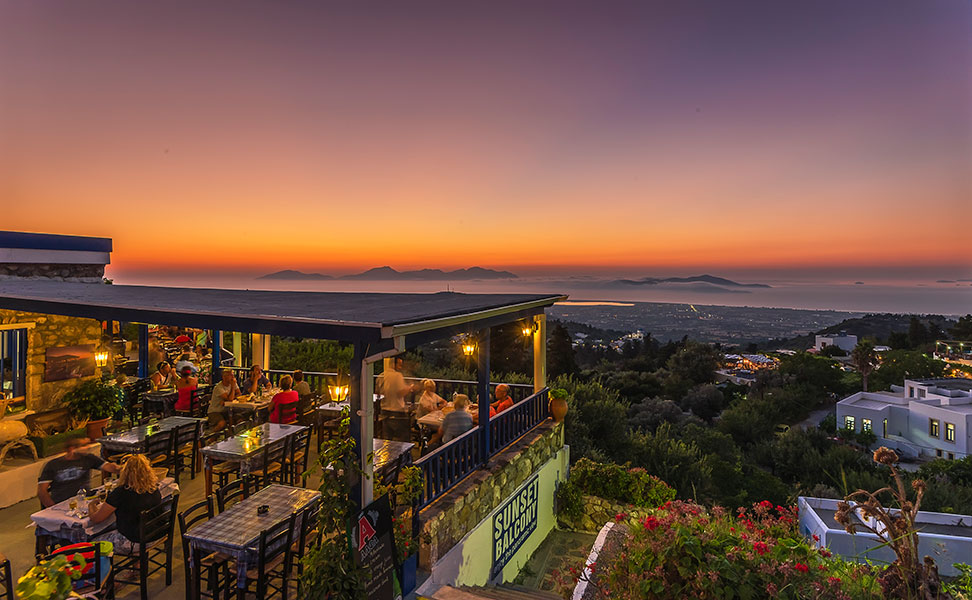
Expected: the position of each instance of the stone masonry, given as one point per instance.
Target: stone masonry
(447, 520)
(50, 331)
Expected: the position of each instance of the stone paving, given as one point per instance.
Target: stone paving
(560, 551)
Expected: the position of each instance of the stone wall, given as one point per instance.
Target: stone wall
(447, 520)
(598, 511)
(50, 331)
(62, 272)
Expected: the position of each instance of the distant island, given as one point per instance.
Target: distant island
(387, 273)
(721, 282)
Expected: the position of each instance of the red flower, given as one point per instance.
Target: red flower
(650, 523)
(760, 548)
(816, 537)
(620, 516)
(802, 568)
(834, 580)
(766, 504)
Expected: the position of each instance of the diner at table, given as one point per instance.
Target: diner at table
(455, 423)
(164, 376)
(137, 489)
(225, 391)
(283, 406)
(429, 401)
(62, 477)
(184, 386)
(255, 381)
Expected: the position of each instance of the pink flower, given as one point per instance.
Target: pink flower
(771, 589)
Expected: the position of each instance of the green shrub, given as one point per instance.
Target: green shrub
(620, 484)
(569, 501)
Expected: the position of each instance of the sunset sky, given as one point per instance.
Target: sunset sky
(659, 136)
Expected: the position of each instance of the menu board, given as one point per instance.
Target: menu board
(374, 548)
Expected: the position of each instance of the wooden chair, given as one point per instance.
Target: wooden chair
(186, 449)
(159, 448)
(310, 534)
(231, 493)
(7, 593)
(272, 466)
(154, 552)
(272, 572)
(97, 575)
(287, 412)
(215, 566)
(198, 403)
(296, 459)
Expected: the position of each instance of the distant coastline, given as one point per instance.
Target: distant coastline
(389, 274)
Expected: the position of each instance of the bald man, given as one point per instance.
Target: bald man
(503, 399)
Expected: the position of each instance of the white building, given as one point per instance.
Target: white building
(947, 538)
(842, 340)
(927, 418)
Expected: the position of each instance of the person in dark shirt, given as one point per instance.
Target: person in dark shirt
(256, 380)
(138, 490)
(63, 476)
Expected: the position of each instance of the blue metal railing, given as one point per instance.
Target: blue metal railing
(506, 427)
(451, 463)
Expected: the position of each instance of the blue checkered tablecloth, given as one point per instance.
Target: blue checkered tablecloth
(133, 440)
(236, 531)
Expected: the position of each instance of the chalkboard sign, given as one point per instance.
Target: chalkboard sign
(374, 548)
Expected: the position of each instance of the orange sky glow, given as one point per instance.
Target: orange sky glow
(276, 137)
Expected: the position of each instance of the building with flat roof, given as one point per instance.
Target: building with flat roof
(842, 340)
(924, 418)
(945, 537)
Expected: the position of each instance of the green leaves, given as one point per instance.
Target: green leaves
(50, 579)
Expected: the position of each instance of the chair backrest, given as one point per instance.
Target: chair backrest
(200, 511)
(300, 441)
(308, 522)
(287, 412)
(93, 571)
(158, 522)
(274, 542)
(231, 493)
(159, 443)
(389, 475)
(275, 452)
(186, 434)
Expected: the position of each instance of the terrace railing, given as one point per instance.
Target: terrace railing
(447, 387)
(318, 381)
(451, 463)
(506, 427)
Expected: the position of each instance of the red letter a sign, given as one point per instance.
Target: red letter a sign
(365, 532)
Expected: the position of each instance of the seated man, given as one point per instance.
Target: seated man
(224, 391)
(503, 398)
(63, 476)
(255, 381)
(456, 423)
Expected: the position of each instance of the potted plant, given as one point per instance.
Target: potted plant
(558, 404)
(405, 494)
(96, 401)
(49, 580)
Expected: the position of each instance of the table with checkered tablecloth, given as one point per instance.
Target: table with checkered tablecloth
(236, 531)
(245, 449)
(132, 441)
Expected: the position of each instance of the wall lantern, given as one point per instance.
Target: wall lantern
(338, 392)
(468, 349)
(530, 329)
(101, 358)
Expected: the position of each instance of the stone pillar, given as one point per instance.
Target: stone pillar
(540, 353)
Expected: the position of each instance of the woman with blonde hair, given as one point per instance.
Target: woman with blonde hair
(138, 490)
(429, 401)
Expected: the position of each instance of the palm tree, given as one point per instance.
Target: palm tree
(864, 359)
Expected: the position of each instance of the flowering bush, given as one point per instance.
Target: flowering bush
(683, 550)
(620, 483)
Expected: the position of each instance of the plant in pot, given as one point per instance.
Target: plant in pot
(405, 494)
(49, 580)
(558, 404)
(96, 401)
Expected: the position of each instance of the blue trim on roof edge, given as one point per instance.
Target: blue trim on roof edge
(51, 241)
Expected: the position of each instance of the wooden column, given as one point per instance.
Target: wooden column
(237, 349)
(482, 379)
(540, 353)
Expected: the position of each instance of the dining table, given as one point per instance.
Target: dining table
(236, 531)
(161, 402)
(132, 441)
(62, 523)
(244, 449)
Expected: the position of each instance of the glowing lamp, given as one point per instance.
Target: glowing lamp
(101, 358)
(338, 392)
(468, 349)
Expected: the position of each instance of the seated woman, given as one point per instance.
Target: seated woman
(455, 423)
(138, 490)
(184, 385)
(429, 401)
(283, 407)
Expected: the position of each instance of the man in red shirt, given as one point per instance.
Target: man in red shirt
(503, 399)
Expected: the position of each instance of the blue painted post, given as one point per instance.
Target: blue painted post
(217, 336)
(143, 350)
(482, 377)
(354, 395)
